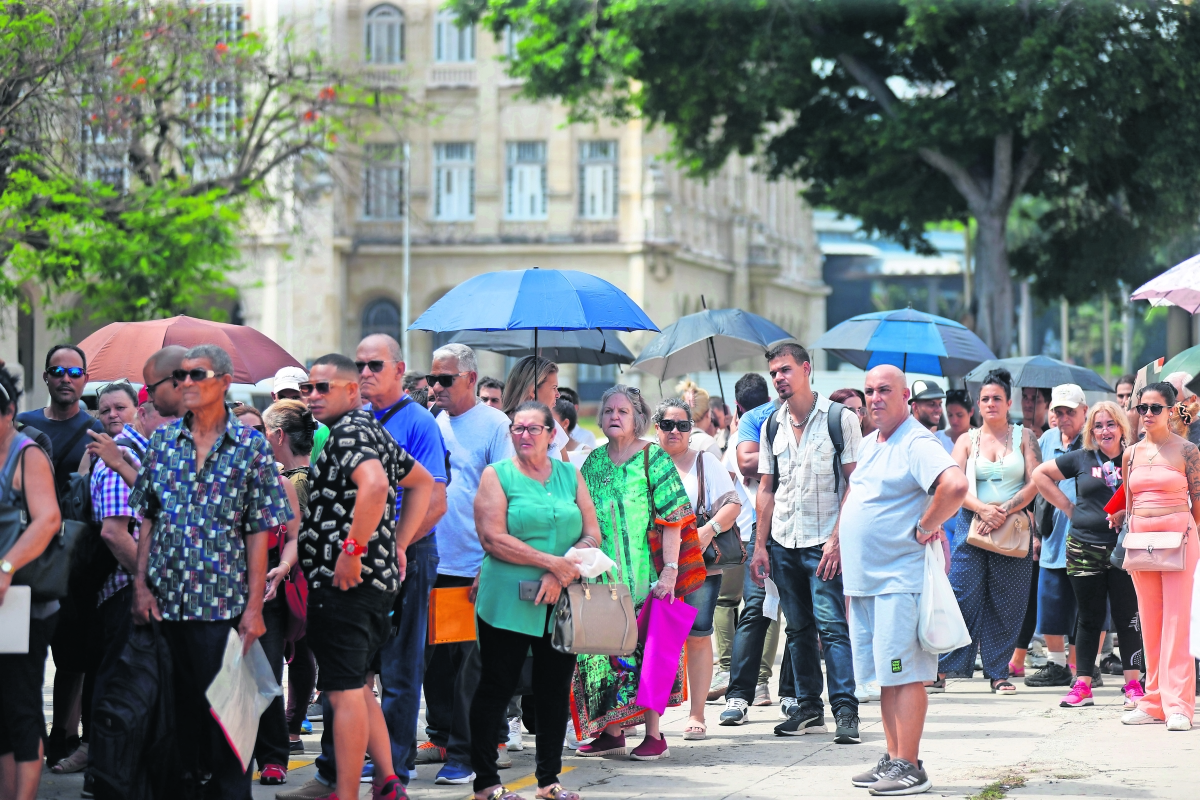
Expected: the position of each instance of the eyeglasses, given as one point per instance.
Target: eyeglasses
(197, 375)
(1154, 409)
(320, 387)
(681, 425)
(376, 365)
(72, 372)
(532, 430)
(445, 381)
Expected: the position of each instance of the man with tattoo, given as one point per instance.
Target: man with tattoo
(1055, 597)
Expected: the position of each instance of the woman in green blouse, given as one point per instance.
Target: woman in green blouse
(529, 511)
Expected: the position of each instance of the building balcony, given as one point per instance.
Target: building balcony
(453, 76)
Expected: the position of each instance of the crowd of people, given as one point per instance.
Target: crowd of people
(321, 526)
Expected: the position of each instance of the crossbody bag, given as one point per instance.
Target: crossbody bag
(1013, 537)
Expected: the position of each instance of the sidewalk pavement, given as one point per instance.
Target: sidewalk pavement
(974, 740)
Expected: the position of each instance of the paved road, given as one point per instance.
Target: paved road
(973, 739)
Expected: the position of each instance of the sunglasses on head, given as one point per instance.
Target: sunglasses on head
(376, 365)
(445, 381)
(681, 425)
(1154, 409)
(197, 375)
(71, 372)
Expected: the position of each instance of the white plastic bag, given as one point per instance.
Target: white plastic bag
(940, 628)
(591, 561)
(240, 693)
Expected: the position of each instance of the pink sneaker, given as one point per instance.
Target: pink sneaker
(1133, 693)
(603, 745)
(1081, 695)
(651, 749)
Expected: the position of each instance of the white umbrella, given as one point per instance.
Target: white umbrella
(1178, 286)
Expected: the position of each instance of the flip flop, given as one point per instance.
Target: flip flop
(501, 793)
(557, 792)
(695, 731)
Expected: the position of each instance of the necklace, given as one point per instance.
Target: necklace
(624, 454)
(811, 411)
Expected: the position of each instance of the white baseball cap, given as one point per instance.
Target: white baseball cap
(289, 378)
(1067, 394)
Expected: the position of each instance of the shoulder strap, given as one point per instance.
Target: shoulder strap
(772, 430)
(701, 495)
(836, 435)
(394, 410)
(10, 464)
(74, 440)
(132, 444)
(649, 485)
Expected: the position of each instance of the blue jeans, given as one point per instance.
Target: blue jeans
(814, 607)
(749, 639)
(402, 662)
(704, 600)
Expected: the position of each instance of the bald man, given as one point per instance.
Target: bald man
(888, 516)
(163, 390)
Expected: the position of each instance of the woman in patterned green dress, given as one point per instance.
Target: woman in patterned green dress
(619, 477)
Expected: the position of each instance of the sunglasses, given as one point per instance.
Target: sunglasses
(376, 366)
(197, 375)
(445, 381)
(1153, 408)
(150, 387)
(681, 425)
(72, 372)
(320, 387)
(532, 430)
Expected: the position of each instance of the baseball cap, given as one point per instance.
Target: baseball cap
(924, 390)
(143, 396)
(1067, 394)
(289, 378)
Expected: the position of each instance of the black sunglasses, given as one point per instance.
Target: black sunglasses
(445, 381)
(150, 387)
(681, 425)
(376, 365)
(197, 375)
(1153, 408)
(71, 372)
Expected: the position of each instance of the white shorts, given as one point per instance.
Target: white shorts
(883, 636)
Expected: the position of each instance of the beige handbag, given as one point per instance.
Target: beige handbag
(1013, 537)
(1155, 551)
(596, 619)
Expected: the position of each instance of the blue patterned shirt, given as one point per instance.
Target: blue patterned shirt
(197, 564)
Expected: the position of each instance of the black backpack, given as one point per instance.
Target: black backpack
(834, 419)
(92, 561)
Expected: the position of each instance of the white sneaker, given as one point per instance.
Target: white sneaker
(1178, 722)
(514, 735)
(762, 695)
(1139, 717)
(867, 692)
(718, 687)
(736, 712)
(786, 704)
(571, 743)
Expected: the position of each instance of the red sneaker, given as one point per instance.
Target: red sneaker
(603, 745)
(651, 749)
(392, 789)
(272, 775)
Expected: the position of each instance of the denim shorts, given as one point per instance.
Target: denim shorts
(1056, 603)
(704, 600)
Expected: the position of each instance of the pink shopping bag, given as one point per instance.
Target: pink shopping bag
(663, 627)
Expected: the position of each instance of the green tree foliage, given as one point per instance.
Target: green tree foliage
(133, 136)
(908, 112)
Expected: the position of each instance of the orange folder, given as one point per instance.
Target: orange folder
(451, 616)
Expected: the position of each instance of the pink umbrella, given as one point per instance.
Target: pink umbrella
(120, 350)
(1178, 286)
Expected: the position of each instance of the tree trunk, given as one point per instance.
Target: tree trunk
(993, 282)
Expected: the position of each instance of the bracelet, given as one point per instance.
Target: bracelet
(283, 561)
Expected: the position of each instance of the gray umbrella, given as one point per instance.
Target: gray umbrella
(707, 340)
(1039, 372)
(562, 347)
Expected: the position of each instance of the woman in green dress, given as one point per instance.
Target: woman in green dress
(530, 509)
(636, 490)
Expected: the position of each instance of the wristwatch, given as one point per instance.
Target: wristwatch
(925, 532)
(716, 526)
(671, 565)
(6, 567)
(352, 548)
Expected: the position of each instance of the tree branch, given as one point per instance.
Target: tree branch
(967, 186)
(1030, 159)
(873, 83)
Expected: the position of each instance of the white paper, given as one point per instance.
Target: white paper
(591, 561)
(240, 693)
(771, 601)
(14, 620)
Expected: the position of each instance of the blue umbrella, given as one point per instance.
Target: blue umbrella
(533, 299)
(562, 347)
(908, 339)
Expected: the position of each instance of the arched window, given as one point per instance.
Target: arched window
(385, 35)
(381, 316)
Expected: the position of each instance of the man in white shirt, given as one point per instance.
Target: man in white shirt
(796, 542)
(887, 518)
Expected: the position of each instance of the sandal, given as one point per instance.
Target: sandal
(695, 731)
(1003, 687)
(555, 791)
(501, 793)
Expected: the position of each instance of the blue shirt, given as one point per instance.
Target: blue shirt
(751, 423)
(201, 516)
(1054, 546)
(414, 429)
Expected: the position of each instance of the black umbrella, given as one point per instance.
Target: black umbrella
(562, 347)
(1038, 372)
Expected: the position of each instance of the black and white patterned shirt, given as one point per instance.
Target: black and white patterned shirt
(353, 439)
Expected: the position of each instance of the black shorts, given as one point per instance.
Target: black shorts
(21, 680)
(344, 631)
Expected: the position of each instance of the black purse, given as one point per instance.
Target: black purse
(726, 548)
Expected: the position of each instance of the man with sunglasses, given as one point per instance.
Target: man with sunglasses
(476, 435)
(67, 424)
(207, 492)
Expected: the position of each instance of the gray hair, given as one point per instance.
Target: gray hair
(641, 411)
(462, 355)
(221, 363)
(660, 413)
